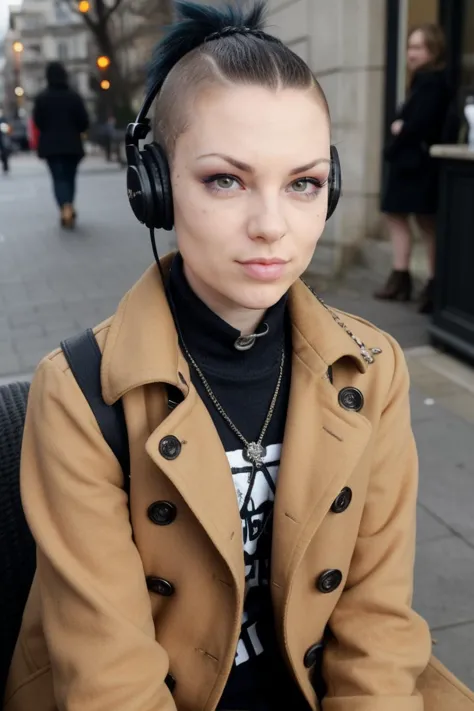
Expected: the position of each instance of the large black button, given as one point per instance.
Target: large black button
(313, 655)
(342, 501)
(162, 513)
(160, 586)
(170, 447)
(170, 682)
(329, 581)
(351, 399)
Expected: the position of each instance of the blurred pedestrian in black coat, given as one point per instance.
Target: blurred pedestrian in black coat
(412, 176)
(4, 151)
(61, 117)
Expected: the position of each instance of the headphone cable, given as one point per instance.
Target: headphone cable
(155, 253)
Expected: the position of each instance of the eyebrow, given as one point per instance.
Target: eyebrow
(246, 168)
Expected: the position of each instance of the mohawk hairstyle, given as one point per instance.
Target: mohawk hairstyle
(193, 24)
(225, 45)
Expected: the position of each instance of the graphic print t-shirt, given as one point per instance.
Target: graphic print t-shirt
(244, 384)
(255, 490)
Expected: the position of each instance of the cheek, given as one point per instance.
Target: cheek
(308, 225)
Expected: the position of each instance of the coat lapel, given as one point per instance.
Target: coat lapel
(202, 475)
(323, 442)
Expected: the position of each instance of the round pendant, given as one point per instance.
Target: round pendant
(244, 343)
(254, 453)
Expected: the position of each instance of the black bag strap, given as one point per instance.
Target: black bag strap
(84, 358)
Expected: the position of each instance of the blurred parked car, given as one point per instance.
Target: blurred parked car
(19, 134)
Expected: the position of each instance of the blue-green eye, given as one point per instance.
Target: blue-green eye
(300, 186)
(222, 182)
(307, 186)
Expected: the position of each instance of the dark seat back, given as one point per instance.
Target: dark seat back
(17, 548)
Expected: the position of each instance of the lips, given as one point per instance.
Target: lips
(264, 269)
(265, 262)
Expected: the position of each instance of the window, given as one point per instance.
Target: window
(63, 12)
(63, 52)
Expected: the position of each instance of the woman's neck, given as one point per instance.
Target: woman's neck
(244, 320)
(211, 339)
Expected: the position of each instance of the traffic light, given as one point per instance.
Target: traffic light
(105, 84)
(103, 62)
(84, 6)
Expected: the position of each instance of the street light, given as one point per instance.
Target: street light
(103, 62)
(84, 6)
(18, 47)
(19, 91)
(105, 84)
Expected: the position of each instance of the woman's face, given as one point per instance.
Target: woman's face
(249, 178)
(418, 53)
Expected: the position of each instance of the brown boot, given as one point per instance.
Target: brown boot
(67, 215)
(397, 288)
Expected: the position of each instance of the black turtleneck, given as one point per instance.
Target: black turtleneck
(244, 383)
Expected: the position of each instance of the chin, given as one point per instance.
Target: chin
(259, 297)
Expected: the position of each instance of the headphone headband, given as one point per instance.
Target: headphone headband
(140, 128)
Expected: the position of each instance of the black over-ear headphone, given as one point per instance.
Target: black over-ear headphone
(148, 175)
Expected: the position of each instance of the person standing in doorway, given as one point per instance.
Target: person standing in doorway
(412, 178)
(61, 117)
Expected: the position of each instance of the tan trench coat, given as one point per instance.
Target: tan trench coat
(94, 638)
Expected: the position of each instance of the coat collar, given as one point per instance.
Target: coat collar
(142, 343)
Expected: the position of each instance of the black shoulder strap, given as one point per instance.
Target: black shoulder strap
(84, 358)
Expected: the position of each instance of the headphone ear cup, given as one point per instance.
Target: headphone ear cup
(334, 182)
(156, 217)
(139, 187)
(158, 162)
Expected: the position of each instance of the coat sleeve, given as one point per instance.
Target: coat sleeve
(96, 611)
(379, 646)
(425, 106)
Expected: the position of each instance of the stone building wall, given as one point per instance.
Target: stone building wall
(343, 42)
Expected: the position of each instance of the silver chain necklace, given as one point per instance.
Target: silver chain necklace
(254, 452)
(366, 353)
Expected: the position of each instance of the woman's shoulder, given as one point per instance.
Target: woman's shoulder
(435, 77)
(57, 359)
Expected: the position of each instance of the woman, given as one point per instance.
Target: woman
(61, 117)
(412, 180)
(264, 559)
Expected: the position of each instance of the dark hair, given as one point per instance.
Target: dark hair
(227, 45)
(56, 75)
(435, 42)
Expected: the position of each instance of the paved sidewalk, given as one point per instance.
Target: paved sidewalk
(54, 283)
(442, 398)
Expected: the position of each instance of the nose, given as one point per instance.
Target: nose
(267, 222)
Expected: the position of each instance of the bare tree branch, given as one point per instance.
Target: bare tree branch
(123, 30)
(72, 5)
(115, 5)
